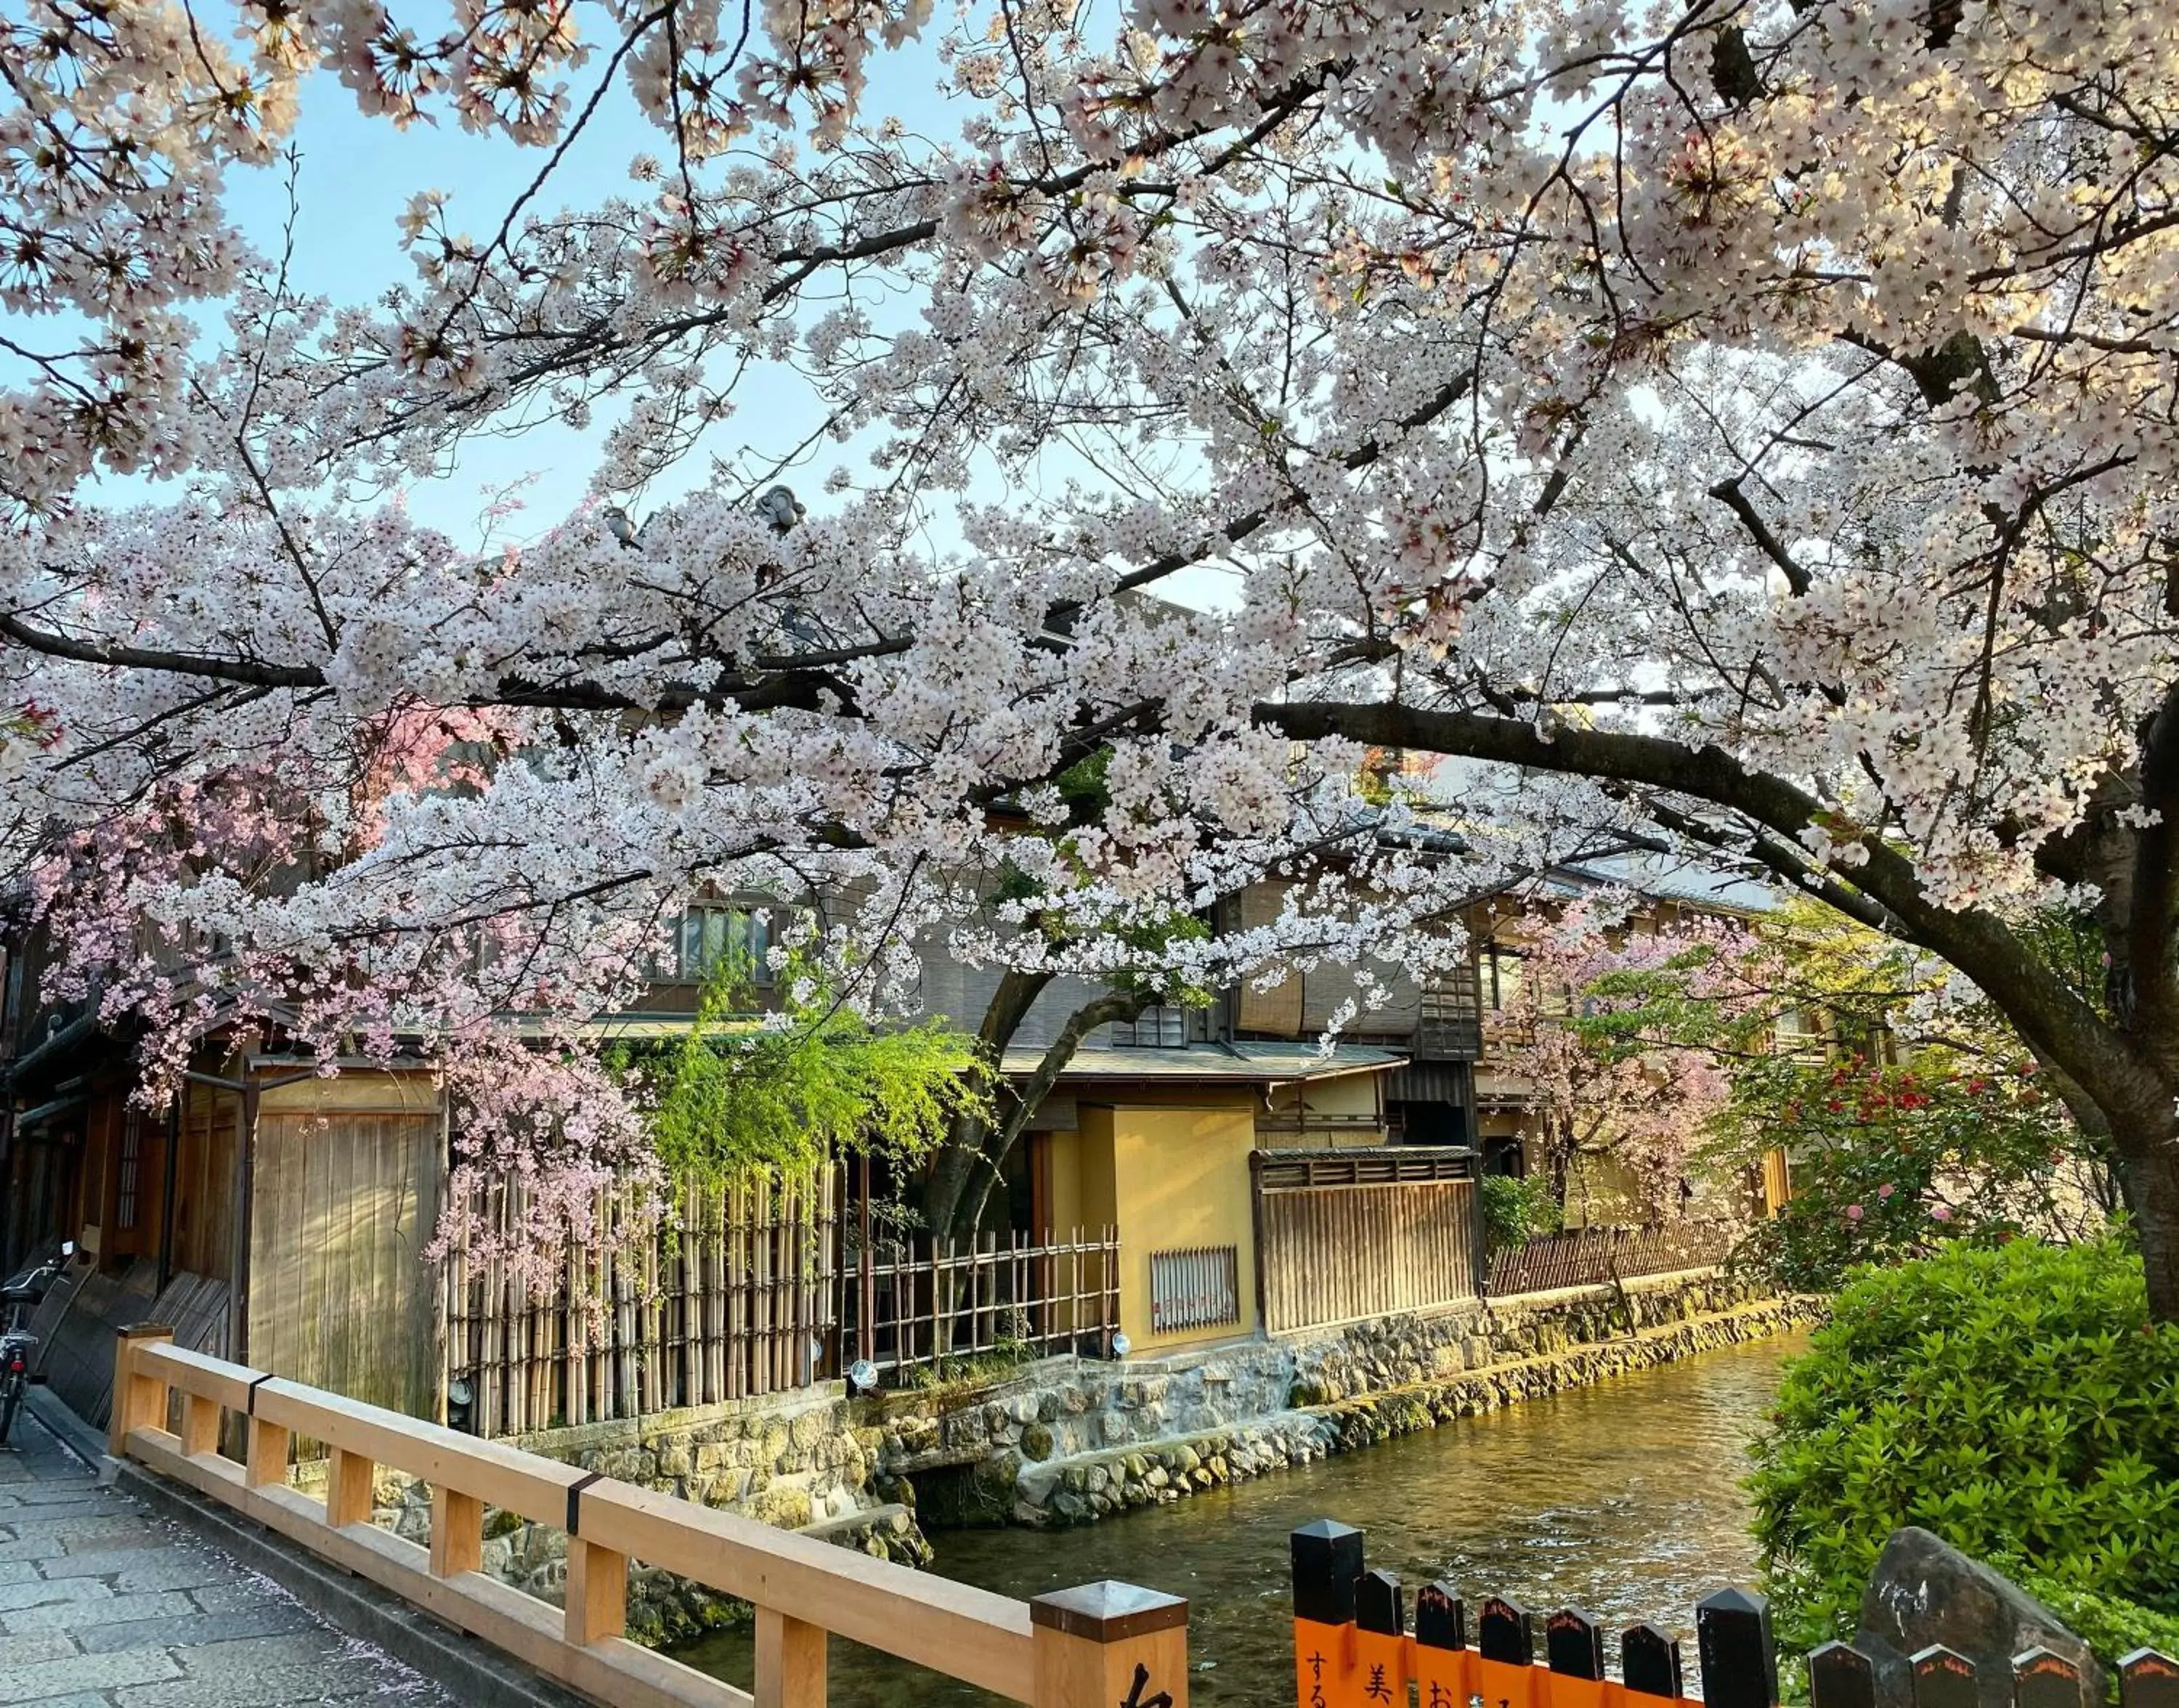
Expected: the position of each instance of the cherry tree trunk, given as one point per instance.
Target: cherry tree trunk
(2151, 1175)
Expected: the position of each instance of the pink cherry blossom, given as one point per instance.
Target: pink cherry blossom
(1745, 437)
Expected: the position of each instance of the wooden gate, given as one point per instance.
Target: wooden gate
(348, 1173)
(1349, 1234)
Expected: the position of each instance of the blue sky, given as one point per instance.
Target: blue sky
(356, 177)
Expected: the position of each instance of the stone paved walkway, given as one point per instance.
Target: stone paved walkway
(103, 1605)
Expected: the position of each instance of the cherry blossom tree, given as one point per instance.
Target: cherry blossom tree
(1752, 421)
(1620, 1034)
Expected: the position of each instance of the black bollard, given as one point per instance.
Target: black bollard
(1739, 1660)
(1649, 1662)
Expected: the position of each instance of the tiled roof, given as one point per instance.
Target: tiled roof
(1251, 1063)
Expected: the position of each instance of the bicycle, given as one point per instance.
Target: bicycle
(18, 1346)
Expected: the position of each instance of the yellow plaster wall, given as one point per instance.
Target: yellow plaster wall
(1180, 1178)
(1349, 1094)
(1079, 1183)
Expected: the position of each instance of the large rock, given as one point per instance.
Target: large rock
(1924, 1590)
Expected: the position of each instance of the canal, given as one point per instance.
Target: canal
(1623, 1499)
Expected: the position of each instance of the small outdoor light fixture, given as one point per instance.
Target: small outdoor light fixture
(1121, 1346)
(863, 1376)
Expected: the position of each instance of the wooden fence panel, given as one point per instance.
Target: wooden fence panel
(1591, 1256)
(1012, 1293)
(737, 1300)
(1354, 1239)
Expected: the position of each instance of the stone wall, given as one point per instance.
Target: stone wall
(1067, 1442)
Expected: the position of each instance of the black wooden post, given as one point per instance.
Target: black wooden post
(1380, 1604)
(2041, 1679)
(1506, 1632)
(1327, 1565)
(1944, 1678)
(2147, 1679)
(1739, 1660)
(1441, 1658)
(1573, 1645)
(1327, 1560)
(1380, 1653)
(1840, 1676)
(1441, 1617)
(1649, 1662)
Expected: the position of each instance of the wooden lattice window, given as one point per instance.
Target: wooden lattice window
(132, 1150)
(1197, 1288)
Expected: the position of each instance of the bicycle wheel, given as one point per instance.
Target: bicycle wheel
(11, 1393)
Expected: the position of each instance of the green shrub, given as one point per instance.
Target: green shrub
(1516, 1210)
(2014, 1400)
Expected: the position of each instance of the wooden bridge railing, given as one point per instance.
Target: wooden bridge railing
(1083, 1648)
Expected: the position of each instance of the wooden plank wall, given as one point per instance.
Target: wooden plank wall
(204, 1183)
(349, 1174)
(1332, 1254)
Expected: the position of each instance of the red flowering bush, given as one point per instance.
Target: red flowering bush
(1890, 1163)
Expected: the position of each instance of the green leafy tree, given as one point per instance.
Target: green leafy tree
(1517, 1210)
(744, 1091)
(2017, 1401)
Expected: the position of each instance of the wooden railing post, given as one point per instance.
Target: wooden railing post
(348, 1489)
(140, 1401)
(457, 1532)
(790, 1662)
(199, 1424)
(264, 1457)
(1109, 1645)
(597, 1592)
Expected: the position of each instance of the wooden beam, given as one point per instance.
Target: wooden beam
(265, 1458)
(139, 1394)
(348, 1489)
(199, 1424)
(597, 1592)
(457, 1532)
(790, 1662)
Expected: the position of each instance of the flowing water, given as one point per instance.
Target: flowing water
(1623, 1499)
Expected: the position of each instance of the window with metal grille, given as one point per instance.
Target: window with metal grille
(1154, 1028)
(124, 1190)
(713, 937)
(1199, 1288)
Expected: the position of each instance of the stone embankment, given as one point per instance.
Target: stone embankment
(1067, 1441)
(1094, 1485)
(1103, 1443)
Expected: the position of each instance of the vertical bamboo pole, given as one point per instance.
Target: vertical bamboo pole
(738, 1310)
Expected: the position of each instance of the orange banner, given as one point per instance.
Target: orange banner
(1502, 1684)
(1325, 1666)
(1380, 1669)
(1444, 1678)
